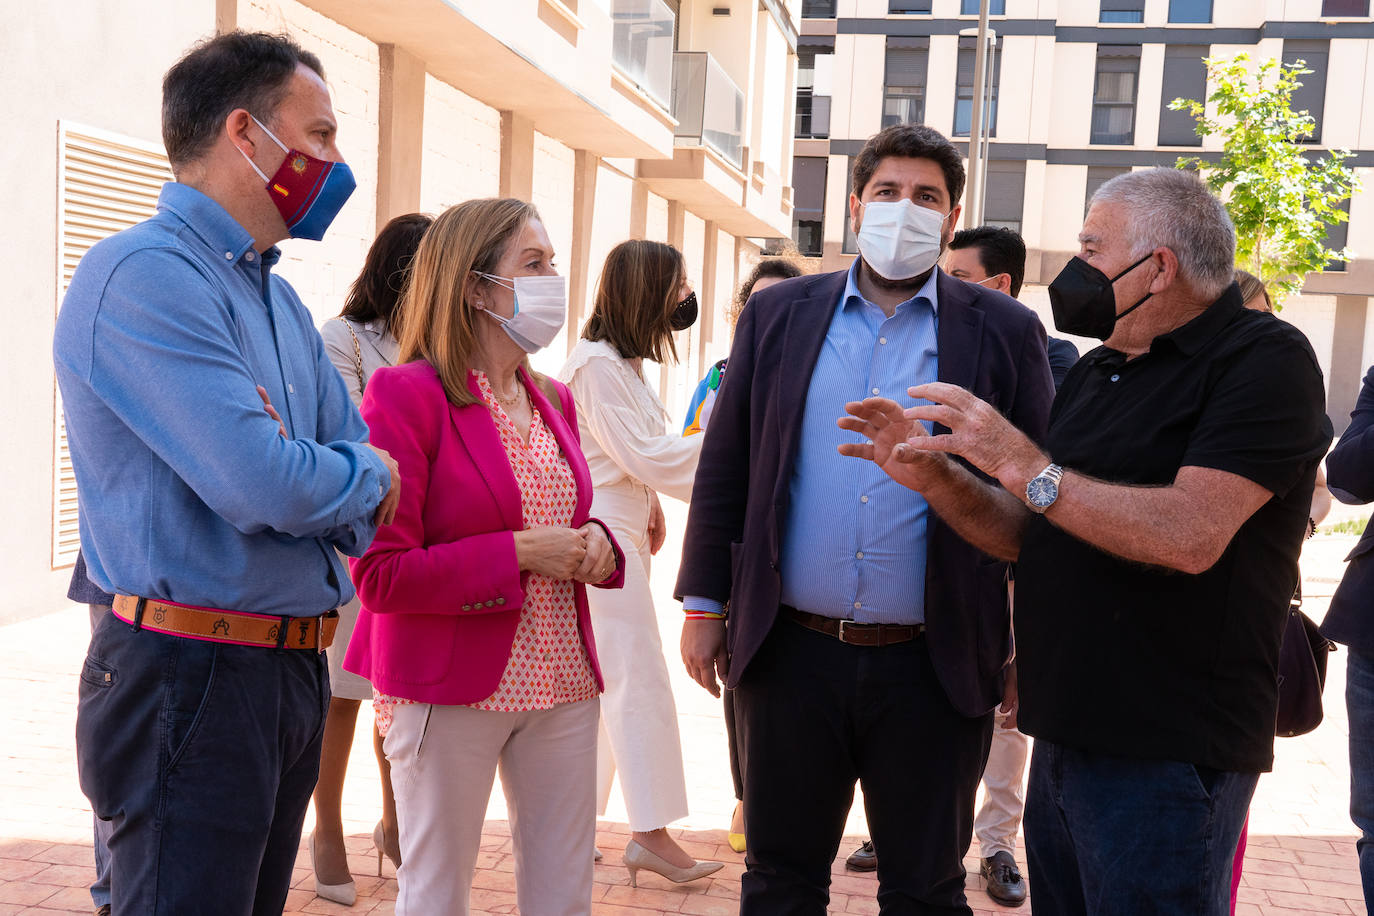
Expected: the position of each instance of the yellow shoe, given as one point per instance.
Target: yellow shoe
(736, 841)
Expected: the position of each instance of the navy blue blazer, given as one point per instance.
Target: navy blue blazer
(1350, 476)
(987, 342)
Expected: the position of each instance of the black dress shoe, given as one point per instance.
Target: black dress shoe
(863, 858)
(1005, 884)
(102, 910)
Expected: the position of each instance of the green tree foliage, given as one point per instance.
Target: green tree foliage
(1281, 201)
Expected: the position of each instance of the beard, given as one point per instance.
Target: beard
(910, 285)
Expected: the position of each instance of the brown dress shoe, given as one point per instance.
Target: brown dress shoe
(1005, 883)
(863, 858)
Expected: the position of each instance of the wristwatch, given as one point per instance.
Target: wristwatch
(1043, 488)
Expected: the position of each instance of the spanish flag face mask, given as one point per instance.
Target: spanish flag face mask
(308, 192)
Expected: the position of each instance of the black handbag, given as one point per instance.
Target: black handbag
(1302, 673)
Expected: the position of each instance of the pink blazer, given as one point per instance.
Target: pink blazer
(440, 587)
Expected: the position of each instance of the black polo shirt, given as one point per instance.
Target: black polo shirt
(1129, 660)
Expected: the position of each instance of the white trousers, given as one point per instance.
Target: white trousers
(639, 734)
(1004, 792)
(443, 762)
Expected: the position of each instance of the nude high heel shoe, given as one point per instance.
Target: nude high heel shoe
(379, 840)
(346, 893)
(637, 857)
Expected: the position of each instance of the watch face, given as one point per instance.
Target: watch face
(1042, 492)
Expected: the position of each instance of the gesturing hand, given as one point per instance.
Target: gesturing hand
(599, 561)
(703, 652)
(888, 431)
(978, 433)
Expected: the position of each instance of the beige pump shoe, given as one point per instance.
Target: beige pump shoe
(637, 857)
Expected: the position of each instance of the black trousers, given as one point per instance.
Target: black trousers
(814, 716)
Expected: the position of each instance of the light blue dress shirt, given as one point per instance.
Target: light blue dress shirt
(854, 540)
(187, 491)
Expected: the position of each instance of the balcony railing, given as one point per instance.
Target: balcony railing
(813, 115)
(708, 106)
(642, 46)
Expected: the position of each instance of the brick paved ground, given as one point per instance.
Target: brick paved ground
(1300, 860)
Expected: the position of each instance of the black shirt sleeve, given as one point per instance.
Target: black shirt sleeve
(1264, 417)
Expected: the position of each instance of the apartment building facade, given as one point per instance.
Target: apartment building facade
(661, 119)
(1079, 91)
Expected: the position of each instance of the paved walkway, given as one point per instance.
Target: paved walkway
(1301, 856)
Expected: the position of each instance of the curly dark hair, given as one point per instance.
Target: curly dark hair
(783, 268)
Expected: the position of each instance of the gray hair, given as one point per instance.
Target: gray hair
(1171, 208)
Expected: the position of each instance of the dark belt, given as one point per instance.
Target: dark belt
(856, 634)
(233, 627)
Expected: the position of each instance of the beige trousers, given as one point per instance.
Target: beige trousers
(1004, 792)
(639, 735)
(443, 762)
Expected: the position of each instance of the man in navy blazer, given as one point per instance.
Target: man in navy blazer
(1350, 620)
(866, 641)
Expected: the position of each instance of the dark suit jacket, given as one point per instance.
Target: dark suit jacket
(988, 343)
(1350, 476)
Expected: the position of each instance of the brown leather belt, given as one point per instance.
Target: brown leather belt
(872, 635)
(233, 627)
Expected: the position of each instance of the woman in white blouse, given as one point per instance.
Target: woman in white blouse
(643, 298)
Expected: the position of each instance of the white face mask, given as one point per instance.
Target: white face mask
(900, 240)
(541, 308)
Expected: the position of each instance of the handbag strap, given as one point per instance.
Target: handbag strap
(357, 355)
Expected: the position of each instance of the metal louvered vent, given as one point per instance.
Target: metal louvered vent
(105, 182)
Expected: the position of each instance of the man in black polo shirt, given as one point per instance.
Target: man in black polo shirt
(1157, 539)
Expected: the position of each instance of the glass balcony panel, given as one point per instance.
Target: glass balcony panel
(708, 106)
(642, 45)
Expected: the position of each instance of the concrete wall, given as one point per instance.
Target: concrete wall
(462, 148)
(90, 63)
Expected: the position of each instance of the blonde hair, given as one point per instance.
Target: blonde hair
(1251, 287)
(438, 321)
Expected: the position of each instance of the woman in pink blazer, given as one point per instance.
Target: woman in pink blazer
(474, 628)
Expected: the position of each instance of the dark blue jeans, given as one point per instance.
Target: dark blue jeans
(1112, 835)
(203, 756)
(1359, 704)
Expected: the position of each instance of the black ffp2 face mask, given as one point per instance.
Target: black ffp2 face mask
(685, 315)
(1083, 301)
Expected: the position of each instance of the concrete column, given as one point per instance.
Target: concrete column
(226, 16)
(639, 210)
(677, 232)
(585, 167)
(1347, 359)
(517, 156)
(400, 141)
(709, 297)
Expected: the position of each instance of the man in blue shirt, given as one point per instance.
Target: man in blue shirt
(865, 641)
(210, 514)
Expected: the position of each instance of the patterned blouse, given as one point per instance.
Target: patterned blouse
(548, 662)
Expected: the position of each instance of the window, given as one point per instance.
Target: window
(1190, 10)
(1098, 175)
(1113, 121)
(1345, 7)
(814, 71)
(1336, 238)
(971, 8)
(908, 6)
(106, 182)
(964, 83)
(1311, 95)
(1005, 194)
(904, 92)
(808, 203)
(818, 9)
(1185, 77)
(1122, 11)
(851, 243)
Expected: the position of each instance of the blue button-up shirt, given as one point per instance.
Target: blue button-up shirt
(854, 544)
(187, 491)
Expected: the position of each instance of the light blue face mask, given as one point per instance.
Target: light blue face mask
(541, 309)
